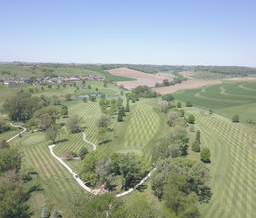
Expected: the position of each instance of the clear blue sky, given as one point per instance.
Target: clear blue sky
(220, 32)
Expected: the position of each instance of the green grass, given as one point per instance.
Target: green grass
(58, 186)
(90, 113)
(226, 99)
(232, 169)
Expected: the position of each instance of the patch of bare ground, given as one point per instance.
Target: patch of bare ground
(142, 79)
(189, 84)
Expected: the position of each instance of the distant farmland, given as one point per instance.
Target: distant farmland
(140, 78)
(186, 85)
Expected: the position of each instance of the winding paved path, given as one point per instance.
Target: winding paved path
(23, 130)
(81, 182)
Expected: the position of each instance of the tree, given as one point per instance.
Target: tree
(74, 124)
(46, 117)
(92, 98)
(127, 108)
(235, 118)
(168, 97)
(119, 116)
(13, 196)
(179, 105)
(102, 206)
(166, 82)
(21, 106)
(3, 126)
(83, 152)
(104, 122)
(191, 119)
(10, 159)
(103, 170)
(198, 136)
(205, 155)
(164, 106)
(64, 110)
(172, 118)
(52, 133)
(85, 100)
(68, 97)
(196, 146)
(129, 166)
(189, 104)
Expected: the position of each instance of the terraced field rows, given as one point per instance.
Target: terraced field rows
(142, 126)
(234, 168)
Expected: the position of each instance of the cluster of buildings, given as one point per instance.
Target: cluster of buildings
(49, 80)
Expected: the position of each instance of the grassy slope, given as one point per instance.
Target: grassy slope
(232, 168)
(58, 186)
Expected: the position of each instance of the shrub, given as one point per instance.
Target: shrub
(189, 104)
(191, 119)
(235, 119)
(205, 155)
(196, 147)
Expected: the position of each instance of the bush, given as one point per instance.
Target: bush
(205, 155)
(167, 97)
(235, 119)
(189, 104)
(3, 126)
(191, 119)
(83, 152)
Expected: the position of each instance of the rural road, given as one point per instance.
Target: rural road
(81, 183)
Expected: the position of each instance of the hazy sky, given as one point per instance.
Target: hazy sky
(219, 32)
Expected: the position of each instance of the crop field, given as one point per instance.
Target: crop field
(140, 78)
(187, 85)
(226, 99)
(233, 167)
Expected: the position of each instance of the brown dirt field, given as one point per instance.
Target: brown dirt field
(142, 79)
(189, 84)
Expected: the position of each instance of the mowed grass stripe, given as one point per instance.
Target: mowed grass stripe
(142, 126)
(239, 196)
